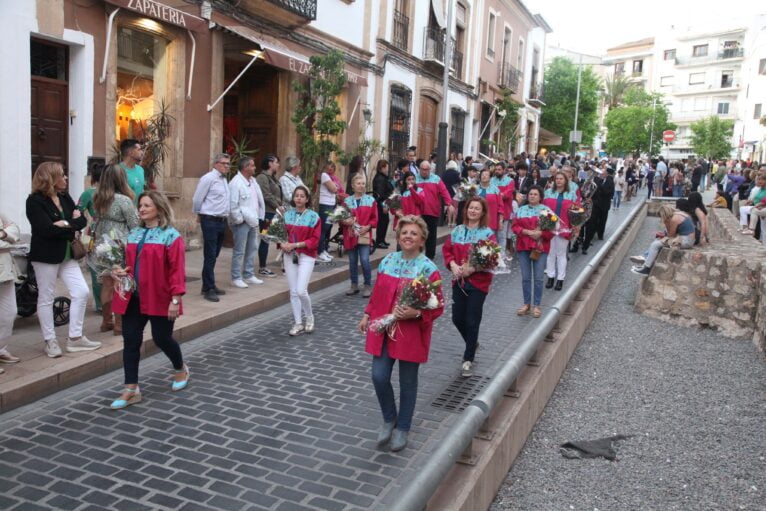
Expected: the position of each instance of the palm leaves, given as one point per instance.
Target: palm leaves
(616, 86)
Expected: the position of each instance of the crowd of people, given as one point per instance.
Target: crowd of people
(539, 210)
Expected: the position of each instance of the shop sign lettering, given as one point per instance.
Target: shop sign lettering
(162, 12)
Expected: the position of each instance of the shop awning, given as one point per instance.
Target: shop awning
(549, 138)
(279, 55)
(436, 5)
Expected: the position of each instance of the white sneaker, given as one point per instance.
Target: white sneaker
(324, 257)
(297, 329)
(309, 328)
(467, 369)
(254, 280)
(327, 255)
(81, 344)
(638, 260)
(52, 348)
(239, 283)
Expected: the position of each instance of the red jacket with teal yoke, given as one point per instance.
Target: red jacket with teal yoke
(412, 338)
(305, 227)
(569, 198)
(434, 192)
(162, 270)
(527, 218)
(495, 204)
(508, 190)
(458, 247)
(365, 212)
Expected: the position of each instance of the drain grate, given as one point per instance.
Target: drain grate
(459, 393)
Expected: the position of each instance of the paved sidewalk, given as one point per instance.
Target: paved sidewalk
(37, 375)
(268, 421)
(693, 399)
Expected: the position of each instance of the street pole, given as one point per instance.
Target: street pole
(651, 130)
(441, 150)
(577, 107)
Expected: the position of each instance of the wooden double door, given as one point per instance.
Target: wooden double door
(427, 126)
(49, 109)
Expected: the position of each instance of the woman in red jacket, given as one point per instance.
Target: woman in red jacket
(154, 258)
(304, 230)
(559, 199)
(413, 330)
(357, 235)
(469, 286)
(532, 246)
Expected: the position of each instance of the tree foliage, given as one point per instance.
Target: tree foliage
(317, 116)
(711, 137)
(507, 133)
(560, 98)
(629, 127)
(615, 86)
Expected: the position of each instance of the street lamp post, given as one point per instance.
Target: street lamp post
(577, 109)
(651, 130)
(441, 150)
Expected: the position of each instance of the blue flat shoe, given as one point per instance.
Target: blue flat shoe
(128, 397)
(180, 385)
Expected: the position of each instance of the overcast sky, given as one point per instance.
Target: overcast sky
(592, 26)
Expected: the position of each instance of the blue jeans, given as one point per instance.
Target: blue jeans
(616, 199)
(678, 190)
(354, 255)
(326, 228)
(382, 367)
(244, 248)
(263, 247)
(528, 267)
(467, 307)
(212, 236)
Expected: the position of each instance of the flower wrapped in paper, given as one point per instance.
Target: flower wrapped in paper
(577, 216)
(418, 293)
(394, 201)
(466, 189)
(110, 261)
(548, 220)
(485, 255)
(276, 231)
(339, 214)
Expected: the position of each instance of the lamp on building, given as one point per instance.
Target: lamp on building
(367, 113)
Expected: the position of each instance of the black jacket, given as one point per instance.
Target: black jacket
(523, 189)
(49, 242)
(451, 178)
(381, 187)
(604, 192)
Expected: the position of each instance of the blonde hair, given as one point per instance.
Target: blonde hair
(412, 220)
(45, 177)
(358, 177)
(666, 212)
(164, 210)
(113, 180)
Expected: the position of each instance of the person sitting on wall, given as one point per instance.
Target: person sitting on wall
(679, 232)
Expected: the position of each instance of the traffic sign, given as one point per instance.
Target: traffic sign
(575, 136)
(668, 135)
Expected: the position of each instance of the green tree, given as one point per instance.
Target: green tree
(560, 98)
(317, 116)
(615, 86)
(629, 127)
(711, 137)
(508, 111)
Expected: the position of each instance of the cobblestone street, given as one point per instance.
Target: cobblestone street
(268, 421)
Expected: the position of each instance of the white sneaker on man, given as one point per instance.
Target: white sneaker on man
(325, 257)
(239, 283)
(52, 348)
(81, 344)
(253, 280)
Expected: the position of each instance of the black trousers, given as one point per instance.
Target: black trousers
(595, 225)
(431, 222)
(467, 307)
(133, 323)
(382, 228)
(603, 216)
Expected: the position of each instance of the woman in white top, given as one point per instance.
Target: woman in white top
(619, 187)
(329, 187)
(291, 179)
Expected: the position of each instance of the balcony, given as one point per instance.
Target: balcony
(303, 8)
(536, 95)
(725, 54)
(508, 77)
(731, 53)
(724, 87)
(434, 46)
(401, 30)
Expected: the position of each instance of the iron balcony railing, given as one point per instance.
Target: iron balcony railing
(728, 53)
(731, 53)
(508, 77)
(434, 47)
(536, 92)
(304, 8)
(401, 30)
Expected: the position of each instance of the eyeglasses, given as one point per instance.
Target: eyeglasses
(227, 163)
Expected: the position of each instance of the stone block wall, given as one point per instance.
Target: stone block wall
(720, 286)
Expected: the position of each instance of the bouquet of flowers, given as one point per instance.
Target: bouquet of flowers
(394, 201)
(467, 189)
(110, 253)
(485, 255)
(548, 220)
(276, 231)
(577, 216)
(339, 214)
(419, 293)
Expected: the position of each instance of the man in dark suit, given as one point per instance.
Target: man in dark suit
(522, 181)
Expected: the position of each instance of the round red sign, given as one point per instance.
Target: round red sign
(668, 135)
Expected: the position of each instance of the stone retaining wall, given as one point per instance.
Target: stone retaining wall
(721, 286)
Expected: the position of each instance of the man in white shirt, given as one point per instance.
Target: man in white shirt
(211, 205)
(291, 179)
(247, 208)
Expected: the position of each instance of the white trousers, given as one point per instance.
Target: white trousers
(47, 275)
(556, 266)
(298, 276)
(8, 313)
(743, 212)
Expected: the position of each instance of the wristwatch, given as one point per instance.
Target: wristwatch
(175, 301)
